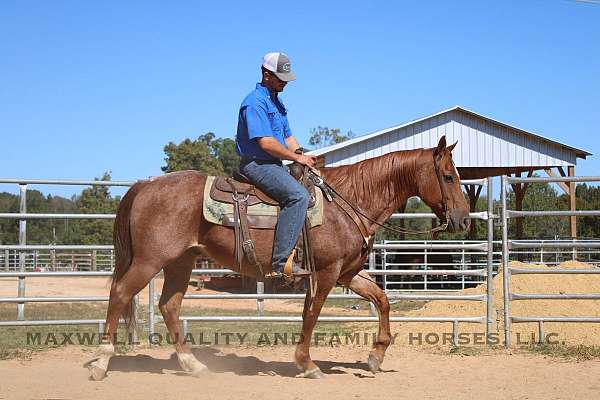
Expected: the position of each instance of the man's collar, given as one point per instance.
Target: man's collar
(272, 96)
(265, 90)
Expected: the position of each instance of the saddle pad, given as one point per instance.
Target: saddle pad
(218, 213)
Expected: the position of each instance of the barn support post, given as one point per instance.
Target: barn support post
(520, 189)
(572, 202)
(571, 190)
(519, 195)
(22, 254)
(473, 191)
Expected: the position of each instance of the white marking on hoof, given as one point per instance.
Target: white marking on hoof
(374, 363)
(97, 373)
(314, 373)
(190, 364)
(99, 367)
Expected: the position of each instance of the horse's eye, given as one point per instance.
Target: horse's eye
(448, 178)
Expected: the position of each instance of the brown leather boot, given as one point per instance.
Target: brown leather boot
(293, 271)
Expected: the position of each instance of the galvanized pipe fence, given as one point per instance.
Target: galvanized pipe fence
(509, 245)
(476, 270)
(24, 252)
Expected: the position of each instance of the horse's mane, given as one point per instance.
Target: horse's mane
(376, 180)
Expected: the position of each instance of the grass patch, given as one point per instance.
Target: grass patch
(398, 306)
(578, 352)
(466, 350)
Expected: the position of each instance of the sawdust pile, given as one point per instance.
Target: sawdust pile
(564, 333)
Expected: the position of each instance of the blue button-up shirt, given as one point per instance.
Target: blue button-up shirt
(260, 116)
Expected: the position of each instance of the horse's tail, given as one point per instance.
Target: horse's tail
(123, 249)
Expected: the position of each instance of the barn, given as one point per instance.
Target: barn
(486, 148)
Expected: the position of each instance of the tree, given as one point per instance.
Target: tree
(96, 200)
(540, 197)
(206, 154)
(225, 151)
(323, 136)
(588, 198)
(9, 228)
(193, 154)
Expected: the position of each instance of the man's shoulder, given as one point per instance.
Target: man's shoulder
(255, 98)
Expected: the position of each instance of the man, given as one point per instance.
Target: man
(263, 141)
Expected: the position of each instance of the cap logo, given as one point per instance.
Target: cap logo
(286, 67)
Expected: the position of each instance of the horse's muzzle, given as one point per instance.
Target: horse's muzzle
(459, 222)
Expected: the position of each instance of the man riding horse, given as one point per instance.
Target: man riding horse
(263, 141)
(161, 225)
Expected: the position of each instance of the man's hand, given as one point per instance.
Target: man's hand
(306, 160)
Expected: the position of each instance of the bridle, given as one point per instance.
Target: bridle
(440, 178)
(385, 226)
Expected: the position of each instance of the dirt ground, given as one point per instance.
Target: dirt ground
(261, 373)
(410, 371)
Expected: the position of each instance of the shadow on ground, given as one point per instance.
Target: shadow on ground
(219, 362)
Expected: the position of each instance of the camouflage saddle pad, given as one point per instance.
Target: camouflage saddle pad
(262, 212)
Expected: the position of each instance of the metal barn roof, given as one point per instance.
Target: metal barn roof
(484, 144)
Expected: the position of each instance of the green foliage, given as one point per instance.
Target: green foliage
(9, 228)
(540, 197)
(588, 198)
(96, 200)
(214, 157)
(322, 136)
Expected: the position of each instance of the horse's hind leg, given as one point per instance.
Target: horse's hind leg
(121, 294)
(177, 277)
(363, 285)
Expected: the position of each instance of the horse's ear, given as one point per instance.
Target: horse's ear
(441, 146)
(452, 147)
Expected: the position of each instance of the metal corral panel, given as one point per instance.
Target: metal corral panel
(482, 142)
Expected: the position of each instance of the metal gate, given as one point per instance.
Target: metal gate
(508, 245)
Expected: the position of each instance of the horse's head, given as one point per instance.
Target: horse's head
(439, 187)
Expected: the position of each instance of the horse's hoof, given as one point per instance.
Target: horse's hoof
(198, 372)
(314, 373)
(191, 365)
(97, 373)
(374, 363)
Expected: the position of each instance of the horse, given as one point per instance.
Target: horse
(159, 226)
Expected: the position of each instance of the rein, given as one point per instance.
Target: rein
(388, 227)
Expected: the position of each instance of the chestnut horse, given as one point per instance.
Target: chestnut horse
(159, 226)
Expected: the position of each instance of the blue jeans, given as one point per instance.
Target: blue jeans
(274, 179)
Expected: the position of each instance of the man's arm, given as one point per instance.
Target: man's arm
(292, 143)
(272, 147)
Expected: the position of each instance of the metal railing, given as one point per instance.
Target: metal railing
(508, 245)
(486, 272)
(467, 256)
(25, 253)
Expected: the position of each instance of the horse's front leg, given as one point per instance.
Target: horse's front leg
(310, 315)
(363, 285)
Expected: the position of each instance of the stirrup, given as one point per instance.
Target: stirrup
(291, 270)
(294, 272)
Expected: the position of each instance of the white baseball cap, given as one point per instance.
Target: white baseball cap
(279, 64)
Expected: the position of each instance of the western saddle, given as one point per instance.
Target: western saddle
(239, 192)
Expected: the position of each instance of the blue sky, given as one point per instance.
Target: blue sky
(87, 87)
